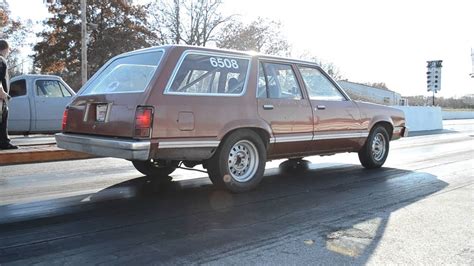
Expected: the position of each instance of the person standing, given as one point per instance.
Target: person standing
(4, 90)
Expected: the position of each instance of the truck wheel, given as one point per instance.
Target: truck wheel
(375, 150)
(153, 168)
(239, 162)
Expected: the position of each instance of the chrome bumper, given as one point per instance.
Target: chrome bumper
(105, 146)
(399, 132)
(405, 132)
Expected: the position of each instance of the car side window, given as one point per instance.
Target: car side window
(319, 87)
(51, 88)
(280, 81)
(217, 74)
(17, 88)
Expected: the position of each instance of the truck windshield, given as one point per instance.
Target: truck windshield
(126, 74)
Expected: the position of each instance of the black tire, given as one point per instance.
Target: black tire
(239, 162)
(153, 169)
(375, 150)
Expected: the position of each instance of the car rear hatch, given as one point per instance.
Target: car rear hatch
(112, 102)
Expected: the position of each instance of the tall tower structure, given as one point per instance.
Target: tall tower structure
(433, 76)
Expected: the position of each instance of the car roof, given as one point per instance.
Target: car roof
(184, 48)
(31, 76)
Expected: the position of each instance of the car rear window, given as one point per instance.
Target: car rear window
(210, 74)
(126, 74)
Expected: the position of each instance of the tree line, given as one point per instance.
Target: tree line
(465, 102)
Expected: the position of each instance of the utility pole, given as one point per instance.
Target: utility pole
(83, 42)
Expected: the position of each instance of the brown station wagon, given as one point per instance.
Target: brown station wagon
(230, 111)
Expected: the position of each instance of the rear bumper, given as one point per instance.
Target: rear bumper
(105, 146)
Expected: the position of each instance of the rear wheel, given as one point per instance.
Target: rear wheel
(375, 150)
(154, 168)
(239, 163)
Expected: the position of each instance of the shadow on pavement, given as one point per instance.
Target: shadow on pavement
(340, 211)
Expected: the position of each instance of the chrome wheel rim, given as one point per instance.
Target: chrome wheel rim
(378, 147)
(243, 161)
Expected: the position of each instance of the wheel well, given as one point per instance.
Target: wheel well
(262, 133)
(387, 127)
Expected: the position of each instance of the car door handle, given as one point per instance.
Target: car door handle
(267, 107)
(320, 107)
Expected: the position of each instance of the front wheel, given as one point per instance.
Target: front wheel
(375, 150)
(154, 168)
(239, 163)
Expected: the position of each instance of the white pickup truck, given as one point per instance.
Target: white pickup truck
(37, 103)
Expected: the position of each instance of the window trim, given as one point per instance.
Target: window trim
(260, 65)
(128, 54)
(64, 88)
(334, 83)
(281, 62)
(188, 52)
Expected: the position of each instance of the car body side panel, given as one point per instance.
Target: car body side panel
(337, 127)
(254, 123)
(288, 125)
(374, 113)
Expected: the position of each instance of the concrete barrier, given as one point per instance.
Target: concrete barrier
(449, 115)
(422, 118)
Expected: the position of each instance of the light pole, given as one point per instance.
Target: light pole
(83, 42)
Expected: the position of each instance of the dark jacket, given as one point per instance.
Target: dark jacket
(4, 77)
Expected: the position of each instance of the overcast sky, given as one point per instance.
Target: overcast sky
(369, 40)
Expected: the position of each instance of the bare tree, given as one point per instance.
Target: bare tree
(328, 67)
(192, 22)
(261, 35)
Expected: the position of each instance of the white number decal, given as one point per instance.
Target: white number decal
(227, 63)
(220, 62)
(234, 64)
(213, 61)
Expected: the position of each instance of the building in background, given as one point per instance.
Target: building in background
(371, 94)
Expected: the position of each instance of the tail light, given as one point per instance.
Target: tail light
(143, 121)
(63, 127)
